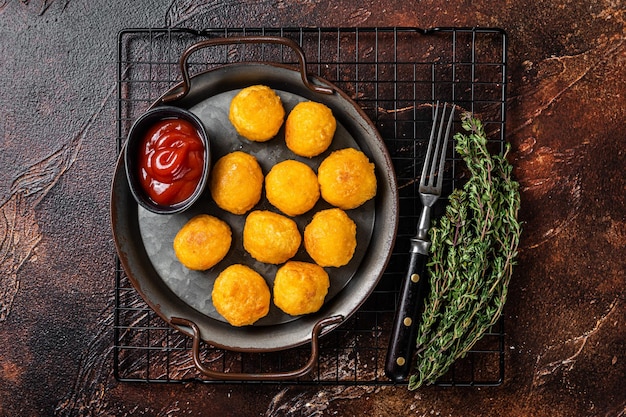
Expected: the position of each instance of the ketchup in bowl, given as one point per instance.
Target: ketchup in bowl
(171, 161)
(167, 158)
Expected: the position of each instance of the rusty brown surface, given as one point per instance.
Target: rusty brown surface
(565, 318)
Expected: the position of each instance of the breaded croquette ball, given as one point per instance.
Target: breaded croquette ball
(236, 182)
(241, 295)
(309, 128)
(292, 187)
(270, 237)
(257, 113)
(202, 242)
(347, 178)
(330, 238)
(300, 287)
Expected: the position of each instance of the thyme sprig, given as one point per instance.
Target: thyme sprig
(474, 246)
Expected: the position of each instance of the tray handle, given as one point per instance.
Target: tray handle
(276, 40)
(270, 376)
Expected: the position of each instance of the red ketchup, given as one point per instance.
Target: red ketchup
(171, 160)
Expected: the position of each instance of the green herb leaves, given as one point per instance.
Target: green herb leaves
(474, 246)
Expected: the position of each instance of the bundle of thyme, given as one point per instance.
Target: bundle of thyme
(474, 246)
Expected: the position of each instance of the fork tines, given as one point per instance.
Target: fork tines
(430, 166)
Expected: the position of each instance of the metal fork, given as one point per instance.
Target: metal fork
(415, 286)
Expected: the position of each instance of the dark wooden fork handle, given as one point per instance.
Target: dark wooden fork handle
(408, 316)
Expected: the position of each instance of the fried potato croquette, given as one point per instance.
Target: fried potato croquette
(300, 288)
(202, 242)
(257, 113)
(309, 129)
(330, 238)
(241, 295)
(236, 182)
(347, 178)
(270, 237)
(292, 187)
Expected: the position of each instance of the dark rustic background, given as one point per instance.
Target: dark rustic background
(565, 316)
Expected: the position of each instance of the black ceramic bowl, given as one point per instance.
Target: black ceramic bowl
(132, 152)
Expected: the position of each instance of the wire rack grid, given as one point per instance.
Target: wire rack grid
(394, 75)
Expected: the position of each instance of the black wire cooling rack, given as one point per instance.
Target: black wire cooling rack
(394, 75)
